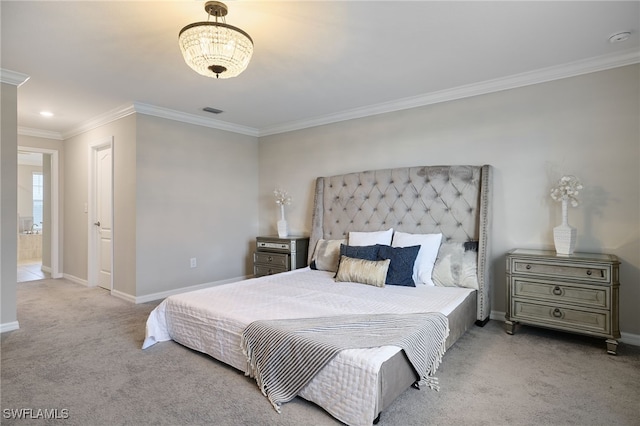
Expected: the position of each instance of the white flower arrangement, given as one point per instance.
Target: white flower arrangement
(282, 197)
(567, 188)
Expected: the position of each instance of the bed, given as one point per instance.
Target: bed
(411, 203)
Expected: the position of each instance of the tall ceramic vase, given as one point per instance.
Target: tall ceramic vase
(564, 235)
(283, 229)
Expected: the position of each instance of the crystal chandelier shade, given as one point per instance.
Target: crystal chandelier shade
(215, 49)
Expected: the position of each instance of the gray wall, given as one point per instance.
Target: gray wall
(196, 197)
(8, 204)
(586, 125)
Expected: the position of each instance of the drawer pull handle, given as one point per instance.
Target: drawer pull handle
(557, 291)
(557, 313)
(270, 259)
(528, 266)
(589, 272)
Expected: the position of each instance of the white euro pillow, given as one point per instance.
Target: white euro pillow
(371, 238)
(429, 246)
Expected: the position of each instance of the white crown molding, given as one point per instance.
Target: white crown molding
(13, 77)
(141, 108)
(46, 134)
(194, 119)
(543, 75)
(101, 120)
(601, 63)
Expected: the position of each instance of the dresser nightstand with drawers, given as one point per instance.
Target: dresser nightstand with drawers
(576, 293)
(274, 254)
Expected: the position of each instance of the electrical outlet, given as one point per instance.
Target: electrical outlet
(194, 263)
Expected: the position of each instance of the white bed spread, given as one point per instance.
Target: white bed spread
(212, 320)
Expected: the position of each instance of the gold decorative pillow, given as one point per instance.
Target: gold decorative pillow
(371, 272)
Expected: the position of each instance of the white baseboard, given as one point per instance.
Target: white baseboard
(628, 338)
(164, 294)
(9, 326)
(123, 296)
(48, 270)
(496, 315)
(76, 280)
(160, 295)
(85, 283)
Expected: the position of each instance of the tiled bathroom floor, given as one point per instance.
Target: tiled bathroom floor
(30, 271)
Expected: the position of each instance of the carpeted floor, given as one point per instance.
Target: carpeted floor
(77, 354)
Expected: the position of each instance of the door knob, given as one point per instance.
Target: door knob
(97, 223)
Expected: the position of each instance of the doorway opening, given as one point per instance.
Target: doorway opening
(31, 189)
(37, 251)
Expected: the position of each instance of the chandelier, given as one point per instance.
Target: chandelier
(215, 48)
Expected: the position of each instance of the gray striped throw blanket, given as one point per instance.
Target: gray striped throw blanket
(284, 355)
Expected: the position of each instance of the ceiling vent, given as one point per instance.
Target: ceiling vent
(212, 110)
(617, 38)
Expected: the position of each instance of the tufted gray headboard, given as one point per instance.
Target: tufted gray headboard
(453, 200)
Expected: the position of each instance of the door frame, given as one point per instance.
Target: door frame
(92, 252)
(56, 250)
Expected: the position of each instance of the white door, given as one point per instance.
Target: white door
(103, 218)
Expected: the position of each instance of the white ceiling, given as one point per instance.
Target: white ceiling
(314, 61)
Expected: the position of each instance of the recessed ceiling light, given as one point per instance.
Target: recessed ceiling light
(46, 113)
(618, 37)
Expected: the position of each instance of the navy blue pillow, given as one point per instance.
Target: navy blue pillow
(471, 246)
(401, 267)
(360, 252)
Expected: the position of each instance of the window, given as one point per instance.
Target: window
(38, 197)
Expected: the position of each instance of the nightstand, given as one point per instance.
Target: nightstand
(577, 293)
(274, 254)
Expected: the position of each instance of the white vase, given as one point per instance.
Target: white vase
(564, 235)
(283, 227)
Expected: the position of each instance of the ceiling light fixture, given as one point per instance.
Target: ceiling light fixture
(215, 48)
(46, 113)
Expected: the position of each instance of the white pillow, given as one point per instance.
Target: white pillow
(371, 238)
(429, 246)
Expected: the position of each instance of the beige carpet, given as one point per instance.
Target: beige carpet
(78, 352)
